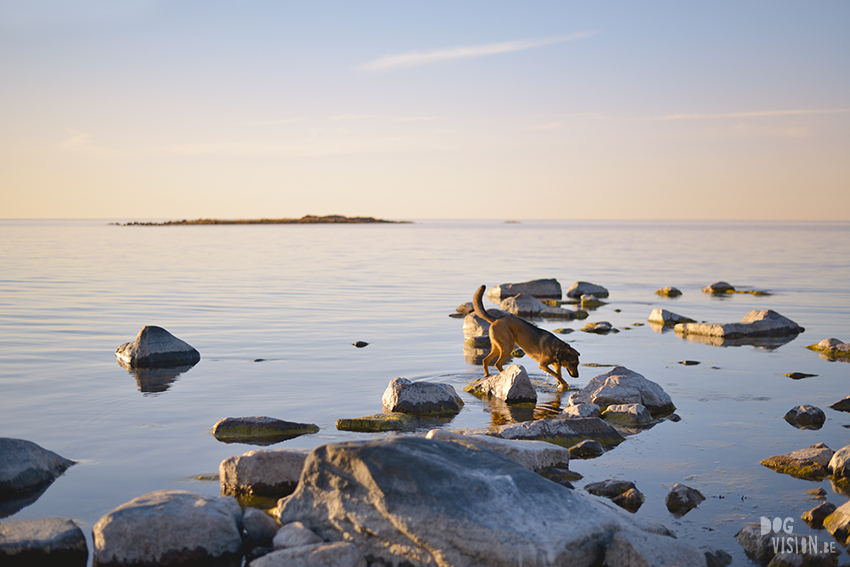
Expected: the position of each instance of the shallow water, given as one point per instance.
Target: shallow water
(297, 296)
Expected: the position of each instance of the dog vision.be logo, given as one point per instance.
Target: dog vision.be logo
(783, 540)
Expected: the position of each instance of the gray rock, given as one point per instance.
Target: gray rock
(818, 514)
(589, 301)
(261, 527)
(623, 386)
(511, 385)
(757, 545)
(415, 502)
(649, 549)
(525, 305)
(599, 328)
(339, 554)
(838, 524)
(627, 414)
(259, 430)
(630, 500)
(476, 331)
(664, 317)
(265, 472)
(546, 288)
(419, 398)
(682, 499)
(295, 534)
(587, 449)
(715, 557)
(809, 559)
(806, 417)
(839, 463)
(842, 405)
(26, 466)
(169, 527)
(610, 488)
(669, 291)
(533, 455)
(580, 410)
(564, 432)
(810, 463)
(831, 348)
(154, 346)
(57, 541)
(584, 288)
(718, 287)
(764, 322)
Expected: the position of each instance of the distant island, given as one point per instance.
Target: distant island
(306, 219)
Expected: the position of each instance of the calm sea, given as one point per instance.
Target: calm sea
(298, 296)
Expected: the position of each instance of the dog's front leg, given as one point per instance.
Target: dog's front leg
(556, 373)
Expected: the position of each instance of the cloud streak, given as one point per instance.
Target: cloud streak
(418, 58)
(752, 114)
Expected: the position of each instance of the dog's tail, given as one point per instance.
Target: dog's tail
(478, 305)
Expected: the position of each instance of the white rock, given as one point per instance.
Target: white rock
(623, 386)
(267, 472)
(511, 385)
(627, 414)
(664, 317)
(421, 397)
(547, 288)
(580, 410)
(763, 322)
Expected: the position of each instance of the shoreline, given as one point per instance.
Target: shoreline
(306, 219)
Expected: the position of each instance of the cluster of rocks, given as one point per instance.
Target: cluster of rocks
(832, 349)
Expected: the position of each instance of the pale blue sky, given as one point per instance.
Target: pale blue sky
(404, 110)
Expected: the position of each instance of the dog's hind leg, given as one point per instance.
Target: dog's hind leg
(494, 352)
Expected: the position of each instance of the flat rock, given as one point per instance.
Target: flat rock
(547, 288)
(682, 499)
(563, 432)
(764, 322)
(57, 541)
(259, 430)
(154, 346)
(511, 385)
(832, 348)
(669, 291)
(805, 416)
(263, 472)
(338, 554)
(585, 288)
(420, 398)
(623, 386)
(580, 410)
(376, 423)
(26, 466)
(169, 527)
(525, 305)
(810, 463)
(627, 414)
(422, 502)
(664, 317)
(533, 455)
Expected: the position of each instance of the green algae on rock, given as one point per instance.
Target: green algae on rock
(395, 421)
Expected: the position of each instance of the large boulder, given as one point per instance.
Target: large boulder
(585, 288)
(420, 502)
(563, 432)
(533, 455)
(623, 386)
(511, 385)
(476, 331)
(48, 541)
(810, 463)
(169, 527)
(546, 288)
(764, 322)
(264, 472)
(154, 346)
(259, 430)
(26, 466)
(664, 317)
(418, 398)
(525, 305)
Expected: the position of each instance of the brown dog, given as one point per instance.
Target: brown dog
(541, 345)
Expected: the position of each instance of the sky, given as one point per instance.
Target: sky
(173, 109)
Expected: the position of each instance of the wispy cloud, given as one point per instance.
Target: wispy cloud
(751, 114)
(417, 58)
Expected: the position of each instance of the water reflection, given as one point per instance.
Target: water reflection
(764, 342)
(22, 500)
(153, 381)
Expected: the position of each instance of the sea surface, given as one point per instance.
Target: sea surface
(274, 310)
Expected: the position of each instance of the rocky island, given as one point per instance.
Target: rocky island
(306, 219)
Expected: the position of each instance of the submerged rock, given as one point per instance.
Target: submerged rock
(169, 527)
(264, 472)
(549, 288)
(533, 455)
(762, 322)
(511, 385)
(682, 499)
(376, 423)
(418, 398)
(26, 466)
(810, 464)
(259, 430)
(623, 386)
(53, 541)
(664, 317)
(154, 346)
(586, 288)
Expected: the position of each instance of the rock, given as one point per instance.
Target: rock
(630, 500)
(376, 423)
(799, 375)
(839, 463)
(169, 527)
(838, 524)
(832, 348)
(564, 477)
(264, 472)
(842, 405)
(260, 527)
(360, 344)
(649, 549)
(533, 455)
(819, 493)
(587, 449)
(627, 414)
(580, 410)
(682, 499)
(465, 308)
(26, 466)
(664, 317)
(415, 502)
(689, 362)
(154, 346)
(623, 386)
(535, 288)
(669, 291)
(563, 432)
(54, 541)
(295, 534)
(763, 322)
(259, 430)
(610, 488)
(811, 558)
(806, 417)
(418, 398)
(511, 385)
(339, 554)
(599, 328)
(818, 514)
(525, 305)
(810, 464)
(757, 545)
(589, 301)
(719, 287)
(715, 557)
(584, 288)
(476, 331)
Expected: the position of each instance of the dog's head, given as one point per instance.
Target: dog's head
(568, 358)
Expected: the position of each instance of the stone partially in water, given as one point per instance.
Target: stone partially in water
(586, 288)
(420, 398)
(263, 472)
(26, 466)
(548, 288)
(259, 430)
(47, 541)
(664, 317)
(718, 288)
(669, 291)
(533, 455)
(764, 322)
(806, 417)
(623, 386)
(832, 349)
(682, 499)
(375, 423)
(511, 385)
(810, 463)
(627, 414)
(154, 346)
